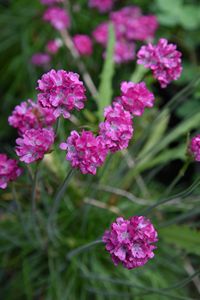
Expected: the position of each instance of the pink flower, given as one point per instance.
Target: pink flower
(100, 34)
(131, 24)
(40, 59)
(124, 51)
(34, 143)
(50, 2)
(83, 44)
(29, 115)
(101, 5)
(194, 147)
(135, 97)
(61, 91)
(57, 17)
(163, 59)
(85, 151)
(117, 129)
(142, 29)
(130, 241)
(53, 46)
(9, 170)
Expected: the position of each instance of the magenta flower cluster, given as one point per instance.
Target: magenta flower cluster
(131, 242)
(83, 44)
(135, 97)
(40, 59)
(34, 143)
(101, 5)
(9, 170)
(62, 92)
(53, 46)
(163, 59)
(57, 17)
(30, 115)
(130, 26)
(85, 151)
(117, 129)
(194, 147)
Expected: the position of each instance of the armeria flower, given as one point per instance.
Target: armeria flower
(194, 147)
(34, 143)
(130, 241)
(83, 44)
(62, 91)
(124, 51)
(29, 115)
(53, 46)
(163, 59)
(40, 59)
(50, 2)
(57, 17)
(101, 5)
(100, 34)
(135, 97)
(85, 151)
(117, 129)
(9, 170)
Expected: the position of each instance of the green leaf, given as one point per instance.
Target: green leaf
(189, 17)
(169, 5)
(105, 88)
(182, 237)
(157, 133)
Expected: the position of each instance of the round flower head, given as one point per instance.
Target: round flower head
(135, 97)
(124, 51)
(30, 115)
(163, 59)
(101, 5)
(62, 91)
(117, 129)
(34, 143)
(83, 44)
(85, 151)
(9, 170)
(57, 17)
(100, 34)
(53, 46)
(194, 147)
(130, 241)
(40, 59)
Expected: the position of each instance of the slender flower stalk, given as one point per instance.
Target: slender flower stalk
(57, 200)
(33, 205)
(86, 76)
(83, 248)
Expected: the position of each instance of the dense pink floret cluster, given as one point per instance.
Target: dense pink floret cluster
(163, 59)
(9, 170)
(30, 115)
(34, 143)
(101, 5)
(130, 26)
(194, 147)
(57, 17)
(135, 97)
(130, 241)
(117, 129)
(40, 59)
(50, 2)
(83, 44)
(62, 91)
(53, 46)
(85, 151)
(124, 51)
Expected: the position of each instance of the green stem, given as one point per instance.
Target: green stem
(57, 201)
(83, 248)
(57, 126)
(180, 174)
